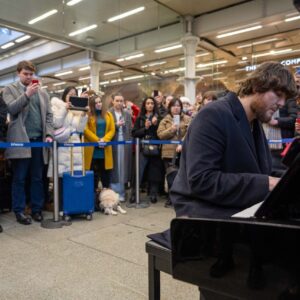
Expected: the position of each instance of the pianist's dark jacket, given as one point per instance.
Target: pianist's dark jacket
(224, 165)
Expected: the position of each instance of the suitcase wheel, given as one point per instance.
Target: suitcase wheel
(89, 217)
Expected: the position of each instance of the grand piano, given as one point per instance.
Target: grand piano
(270, 233)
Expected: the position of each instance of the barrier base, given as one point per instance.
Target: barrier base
(51, 224)
(141, 204)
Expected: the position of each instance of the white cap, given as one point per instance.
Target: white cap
(184, 99)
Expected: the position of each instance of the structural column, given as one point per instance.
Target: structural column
(94, 73)
(189, 43)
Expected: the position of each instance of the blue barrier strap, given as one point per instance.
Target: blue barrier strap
(112, 143)
(25, 145)
(161, 142)
(280, 141)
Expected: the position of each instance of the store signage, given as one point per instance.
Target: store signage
(250, 68)
(292, 61)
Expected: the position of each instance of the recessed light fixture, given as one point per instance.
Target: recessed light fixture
(220, 36)
(59, 83)
(85, 78)
(5, 46)
(73, 2)
(126, 14)
(23, 38)
(104, 82)
(43, 16)
(113, 72)
(272, 52)
(244, 58)
(258, 43)
(133, 77)
(84, 68)
(82, 30)
(130, 57)
(63, 73)
(213, 63)
(211, 74)
(292, 18)
(156, 63)
(168, 48)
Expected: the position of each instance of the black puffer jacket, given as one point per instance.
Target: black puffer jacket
(3, 115)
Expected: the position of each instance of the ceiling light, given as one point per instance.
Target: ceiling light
(174, 70)
(73, 2)
(154, 64)
(104, 82)
(244, 58)
(63, 73)
(218, 62)
(238, 31)
(272, 52)
(44, 16)
(257, 43)
(169, 48)
(59, 83)
(23, 38)
(59, 91)
(130, 57)
(133, 77)
(84, 78)
(83, 30)
(44, 86)
(5, 46)
(292, 19)
(113, 72)
(126, 14)
(211, 74)
(84, 68)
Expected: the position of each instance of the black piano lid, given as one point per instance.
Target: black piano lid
(283, 201)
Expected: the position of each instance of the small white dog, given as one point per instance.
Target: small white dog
(109, 202)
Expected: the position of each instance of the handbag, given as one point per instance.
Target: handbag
(151, 150)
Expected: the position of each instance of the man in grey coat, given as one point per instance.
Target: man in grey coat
(30, 121)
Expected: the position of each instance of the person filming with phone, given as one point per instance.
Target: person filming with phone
(172, 127)
(31, 120)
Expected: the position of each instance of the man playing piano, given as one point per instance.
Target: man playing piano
(225, 164)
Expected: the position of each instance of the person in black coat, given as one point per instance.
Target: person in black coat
(225, 163)
(145, 127)
(3, 117)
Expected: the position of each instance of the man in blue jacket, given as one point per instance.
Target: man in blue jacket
(225, 164)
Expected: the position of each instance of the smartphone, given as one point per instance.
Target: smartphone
(176, 120)
(155, 93)
(34, 81)
(83, 90)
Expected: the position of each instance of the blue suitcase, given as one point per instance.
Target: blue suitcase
(78, 192)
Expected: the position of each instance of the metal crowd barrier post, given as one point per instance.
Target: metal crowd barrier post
(138, 203)
(56, 222)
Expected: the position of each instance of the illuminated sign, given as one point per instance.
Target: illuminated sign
(292, 61)
(250, 68)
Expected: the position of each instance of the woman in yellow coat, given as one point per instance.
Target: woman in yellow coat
(100, 128)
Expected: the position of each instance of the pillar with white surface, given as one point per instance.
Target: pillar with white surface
(189, 43)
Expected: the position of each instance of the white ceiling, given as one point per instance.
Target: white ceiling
(161, 23)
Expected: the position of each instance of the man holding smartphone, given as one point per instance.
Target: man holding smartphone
(30, 121)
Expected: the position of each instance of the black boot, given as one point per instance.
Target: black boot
(1, 229)
(168, 203)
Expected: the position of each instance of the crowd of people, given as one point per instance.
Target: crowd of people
(29, 115)
(34, 117)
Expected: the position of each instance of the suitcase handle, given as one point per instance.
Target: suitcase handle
(72, 158)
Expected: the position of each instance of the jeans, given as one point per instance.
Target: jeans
(120, 189)
(22, 168)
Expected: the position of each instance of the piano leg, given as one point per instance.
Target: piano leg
(154, 279)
